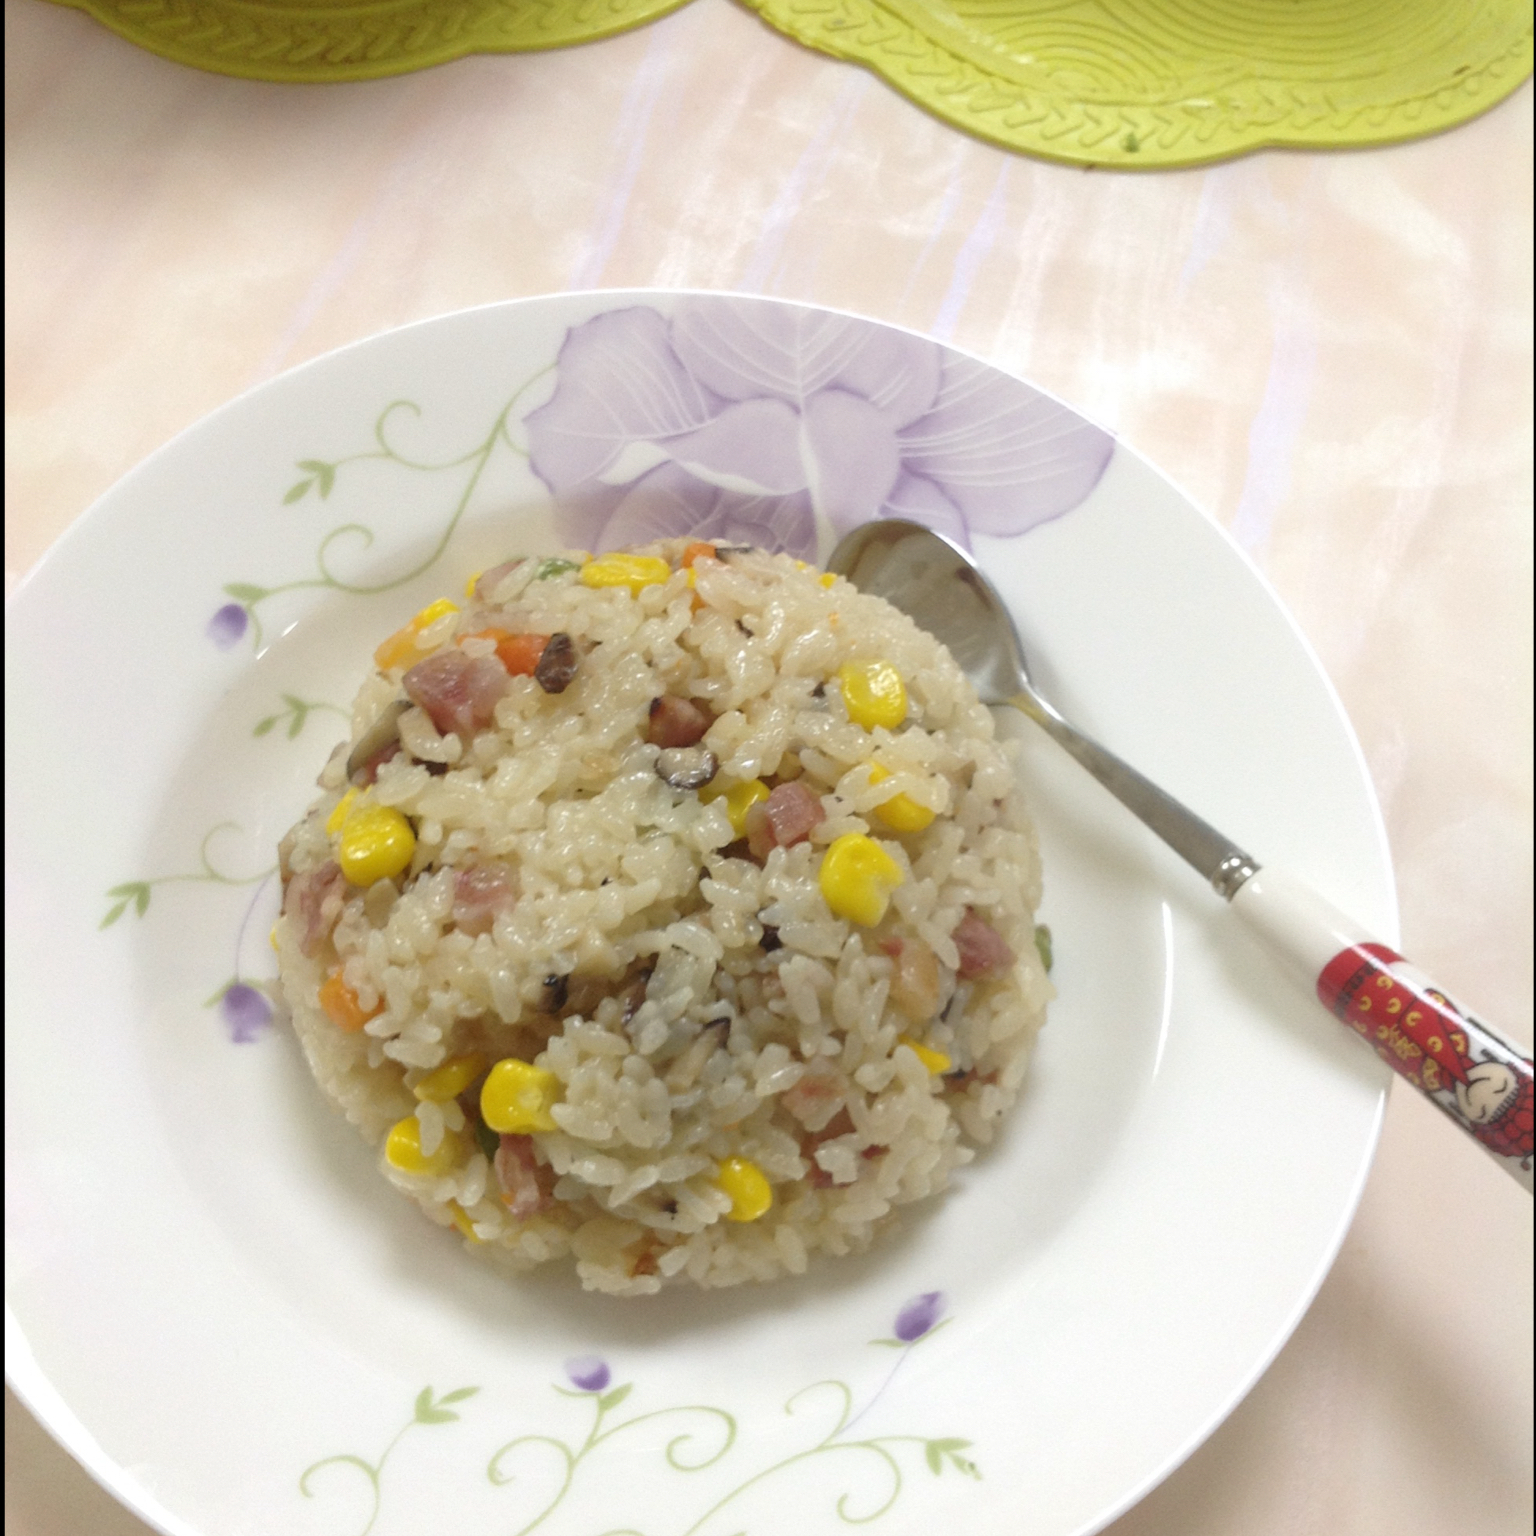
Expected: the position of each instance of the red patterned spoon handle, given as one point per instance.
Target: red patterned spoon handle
(1464, 1066)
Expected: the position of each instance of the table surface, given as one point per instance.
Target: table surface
(1331, 353)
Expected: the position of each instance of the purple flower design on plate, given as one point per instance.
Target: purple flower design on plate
(588, 1372)
(749, 421)
(918, 1316)
(246, 1012)
(227, 625)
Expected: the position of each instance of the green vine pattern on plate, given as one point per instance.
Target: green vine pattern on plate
(296, 712)
(320, 475)
(698, 1446)
(136, 893)
(428, 1410)
(605, 1403)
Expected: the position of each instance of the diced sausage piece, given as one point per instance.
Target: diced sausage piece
(785, 817)
(915, 981)
(793, 810)
(676, 722)
(517, 1172)
(818, 1096)
(489, 580)
(557, 664)
(480, 892)
(313, 901)
(458, 692)
(981, 946)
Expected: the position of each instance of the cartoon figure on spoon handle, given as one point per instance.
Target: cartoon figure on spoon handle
(1464, 1066)
(1470, 1071)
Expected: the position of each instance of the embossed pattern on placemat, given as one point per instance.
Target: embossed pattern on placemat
(1147, 83)
(317, 40)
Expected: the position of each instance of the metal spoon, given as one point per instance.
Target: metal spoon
(1478, 1078)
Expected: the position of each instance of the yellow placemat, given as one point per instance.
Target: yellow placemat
(1131, 83)
(320, 40)
(1124, 83)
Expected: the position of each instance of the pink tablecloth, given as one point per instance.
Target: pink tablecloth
(1330, 352)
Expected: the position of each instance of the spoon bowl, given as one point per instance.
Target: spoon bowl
(937, 585)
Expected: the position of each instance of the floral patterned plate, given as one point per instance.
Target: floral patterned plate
(217, 1305)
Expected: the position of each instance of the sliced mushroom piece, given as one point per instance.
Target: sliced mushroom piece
(687, 767)
(634, 994)
(378, 738)
(557, 665)
(285, 856)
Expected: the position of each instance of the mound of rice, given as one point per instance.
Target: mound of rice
(643, 920)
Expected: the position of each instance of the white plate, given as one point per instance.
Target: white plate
(216, 1304)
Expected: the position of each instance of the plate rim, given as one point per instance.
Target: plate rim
(26, 1377)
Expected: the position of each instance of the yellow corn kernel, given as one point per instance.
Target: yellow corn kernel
(740, 797)
(402, 1149)
(432, 613)
(397, 651)
(333, 822)
(874, 693)
(935, 1061)
(376, 844)
(401, 649)
(857, 878)
(450, 1079)
(826, 578)
(747, 1185)
(901, 813)
(633, 571)
(517, 1096)
(691, 578)
(461, 1220)
(272, 937)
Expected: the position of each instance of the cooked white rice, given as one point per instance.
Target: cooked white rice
(679, 989)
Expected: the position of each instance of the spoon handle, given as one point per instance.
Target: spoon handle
(1197, 842)
(1464, 1066)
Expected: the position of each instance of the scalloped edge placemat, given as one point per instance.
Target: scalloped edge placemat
(327, 42)
(1160, 83)
(1117, 83)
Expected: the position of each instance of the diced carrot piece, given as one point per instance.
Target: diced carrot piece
(519, 654)
(697, 551)
(341, 1005)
